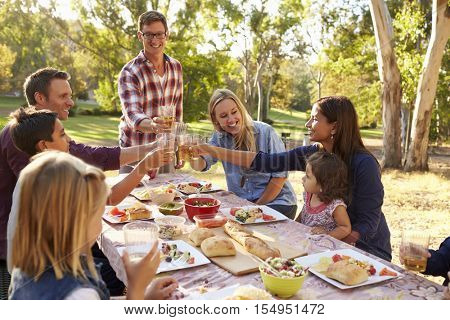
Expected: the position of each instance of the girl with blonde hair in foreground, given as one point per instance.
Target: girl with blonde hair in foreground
(61, 200)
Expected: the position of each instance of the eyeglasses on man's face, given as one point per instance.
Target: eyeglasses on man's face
(150, 35)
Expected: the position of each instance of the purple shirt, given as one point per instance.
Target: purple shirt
(12, 161)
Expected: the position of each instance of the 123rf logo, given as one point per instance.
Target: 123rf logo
(289, 308)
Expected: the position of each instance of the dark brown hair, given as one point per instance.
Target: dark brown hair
(40, 81)
(347, 139)
(28, 126)
(152, 16)
(331, 173)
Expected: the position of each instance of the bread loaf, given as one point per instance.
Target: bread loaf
(347, 273)
(200, 234)
(218, 247)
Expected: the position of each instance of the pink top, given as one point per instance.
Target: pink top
(320, 216)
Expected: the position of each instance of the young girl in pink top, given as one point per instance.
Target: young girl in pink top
(325, 184)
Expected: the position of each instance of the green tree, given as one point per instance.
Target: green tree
(264, 31)
(106, 34)
(7, 58)
(349, 61)
(291, 89)
(33, 38)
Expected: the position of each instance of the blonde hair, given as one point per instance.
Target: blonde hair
(245, 139)
(59, 195)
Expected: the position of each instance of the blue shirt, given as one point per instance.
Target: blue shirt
(47, 287)
(439, 262)
(367, 194)
(255, 182)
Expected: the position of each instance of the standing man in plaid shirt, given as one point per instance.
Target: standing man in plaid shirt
(149, 81)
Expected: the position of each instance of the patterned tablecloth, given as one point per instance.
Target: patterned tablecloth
(211, 277)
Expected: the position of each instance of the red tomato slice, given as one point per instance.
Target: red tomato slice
(336, 258)
(116, 212)
(372, 271)
(268, 217)
(386, 272)
(195, 184)
(233, 211)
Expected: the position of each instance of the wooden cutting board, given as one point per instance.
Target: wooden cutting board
(243, 263)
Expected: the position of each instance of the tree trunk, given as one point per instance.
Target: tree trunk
(390, 77)
(319, 84)
(417, 158)
(269, 92)
(260, 116)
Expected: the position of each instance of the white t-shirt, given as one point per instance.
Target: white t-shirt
(12, 225)
(83, 294)
(162, 80)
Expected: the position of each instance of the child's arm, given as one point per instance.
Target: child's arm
(161, 288)
(344, 226)
(140, 274)
(153, 160)
(135, 153)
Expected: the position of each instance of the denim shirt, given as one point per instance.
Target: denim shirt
(47, 287)
(250, 184)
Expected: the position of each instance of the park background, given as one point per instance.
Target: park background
(278, 56)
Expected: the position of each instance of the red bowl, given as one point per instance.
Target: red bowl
(193, 209)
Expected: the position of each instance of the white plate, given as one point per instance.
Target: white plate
(111, 219)
(218, 294)
(164, 266)
(266, 210)
(200, 259)
(215, 295)
(136, 193)
(310, 261)
(214, 188)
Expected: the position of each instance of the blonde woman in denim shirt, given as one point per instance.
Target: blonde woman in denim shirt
(235, 130)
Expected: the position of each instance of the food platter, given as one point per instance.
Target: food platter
(165, 193)
(253, 214)
(181, 263)
(198, 257)
(117, 219)
(196, 187)
(228, 292)
(312, 261)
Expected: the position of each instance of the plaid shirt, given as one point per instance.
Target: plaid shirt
(141, 95)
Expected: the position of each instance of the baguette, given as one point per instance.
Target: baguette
(250, 243)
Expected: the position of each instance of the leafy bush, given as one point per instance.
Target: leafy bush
(107, 96)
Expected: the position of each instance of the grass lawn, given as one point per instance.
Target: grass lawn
(97, 130)
(103, 129)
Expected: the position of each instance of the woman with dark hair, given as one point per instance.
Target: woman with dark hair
(334, 126)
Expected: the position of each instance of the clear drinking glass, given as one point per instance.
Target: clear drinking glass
(166, 141)
(139, 238)
(167, 114)
(197, 140)
(185, 143)
(414, 250)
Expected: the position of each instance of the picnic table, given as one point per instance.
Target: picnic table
(211, 277)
